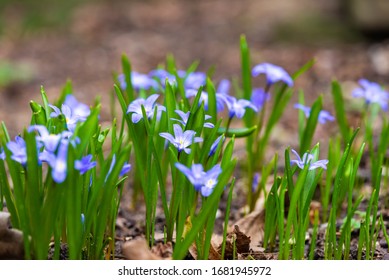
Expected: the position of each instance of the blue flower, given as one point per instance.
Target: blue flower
(195, 174)
(2, 154)
(237, 107)
(224, 86)
(259, 97)
(215, 145)
(136, 108)
(73, 111)
(210, 180)
(125, 169)
(255, 183)
(185, 116)
(139, 81)
(81, 110)
(18, 150)
(308, 159)
(49, 141)
(181, 139)
(372, 93)
(162, 75)
(58, 163)
(273, 73)
(204, 98)
(324, 116)
(84, 164)
(195, 80)
(202, 181)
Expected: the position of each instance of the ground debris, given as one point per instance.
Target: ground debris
(11, 240)
(137, 249)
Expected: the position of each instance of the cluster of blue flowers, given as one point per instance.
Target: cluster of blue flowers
(53, 148)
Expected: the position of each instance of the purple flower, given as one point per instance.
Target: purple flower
(195, 80)
(237, 107)
(2, 154)
(273, 73)
(81, 110)
(84, 164)
(139, 81)
(324, 116)
(181, 140)
(307, 159)
(372, 93)
(204, 98)
(136, 108)
(215, 145)
(125, 169)
(202, 181)
(255, 183)
(224, 86)
(58, 163)
(195, 174)
(185, 116)
(210, 180)
(162, 75)
(18, 150)
(73, 111)
(49, 141)
(259, 97)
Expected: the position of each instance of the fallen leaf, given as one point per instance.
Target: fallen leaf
(252, 225)
(11, 240)
(236, 242)
(137, 249)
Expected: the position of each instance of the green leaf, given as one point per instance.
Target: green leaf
(311, 125)
(237, 132)
(340, 112)
(127, 75)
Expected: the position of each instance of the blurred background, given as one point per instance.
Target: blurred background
(47, 42)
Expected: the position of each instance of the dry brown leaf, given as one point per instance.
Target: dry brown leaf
(235, 241)
(11, 240)
(213, 253)
(253, 226)
(137, 249)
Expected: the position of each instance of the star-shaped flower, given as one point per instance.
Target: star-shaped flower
(136, 108)
(181, 139)
(308, 159)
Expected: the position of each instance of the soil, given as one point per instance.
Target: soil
(87, 50)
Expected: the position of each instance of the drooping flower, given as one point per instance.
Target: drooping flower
(139, 81)
(324, 116)
(2, 154)
(273, 73)
(18, 150)
(215, 145)
(125, 169)
(84, 164)
(185, 116)
(58, 163)
(259, 97)
(181, 139)
(202, 181)
(372, 93)
(255, 183)
(237, 107)
(149, 104)
(308, 159)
